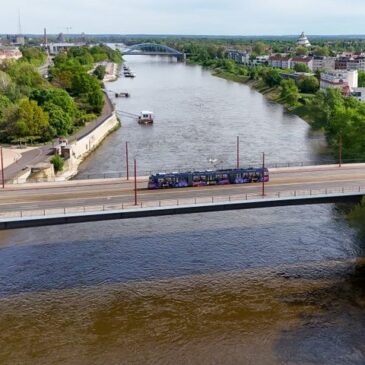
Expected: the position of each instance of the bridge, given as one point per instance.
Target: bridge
(78, 201)
(152, 49)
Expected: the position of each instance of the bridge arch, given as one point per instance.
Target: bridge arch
(152, 49)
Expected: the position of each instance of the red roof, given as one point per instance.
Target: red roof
(279, 58)
(302, 59)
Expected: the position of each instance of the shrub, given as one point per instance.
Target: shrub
(58, 162)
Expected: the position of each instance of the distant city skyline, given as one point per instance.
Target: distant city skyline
(199, 17)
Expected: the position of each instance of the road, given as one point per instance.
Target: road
(115, 192)
(40, 154)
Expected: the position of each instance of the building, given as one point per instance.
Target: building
(341, 62)
(357, 63)
(260, 60)
(324, 63)
(346, 81)
(358, 93)
(241, 57)
(280, 61)
(308, 61)
(303, 41)
(9, 53)
(55, 48)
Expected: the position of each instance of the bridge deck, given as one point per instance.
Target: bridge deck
(97, 198)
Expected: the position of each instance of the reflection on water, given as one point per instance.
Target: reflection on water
(269, 286)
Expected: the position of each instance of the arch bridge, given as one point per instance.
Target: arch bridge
(152, 49)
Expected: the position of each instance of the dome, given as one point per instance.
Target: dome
(303, 41)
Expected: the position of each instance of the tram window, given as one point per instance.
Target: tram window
(225, 176)
(196, 178)
(203, 178)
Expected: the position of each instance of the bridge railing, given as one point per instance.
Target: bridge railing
(147, 172)
(191, 201)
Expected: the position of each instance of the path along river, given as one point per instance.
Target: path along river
(275, 286)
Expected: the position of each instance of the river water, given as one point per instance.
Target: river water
(270, 286)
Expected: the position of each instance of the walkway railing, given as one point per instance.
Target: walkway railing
(206, 200)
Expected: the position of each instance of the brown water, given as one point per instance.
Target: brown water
(271, 286)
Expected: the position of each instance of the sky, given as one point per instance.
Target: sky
(208, 17)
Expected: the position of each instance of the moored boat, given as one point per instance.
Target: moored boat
(146, 117)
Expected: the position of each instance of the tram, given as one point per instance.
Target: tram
(206, 178)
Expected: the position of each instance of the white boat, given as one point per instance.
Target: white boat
(146, 117)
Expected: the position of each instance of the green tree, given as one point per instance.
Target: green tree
(272, 77)
(289, 92)
(25, 75)
(361, 79)
(301, 51)
(308, 84)
(26, 120)
(4, 104)
(5, 81)
(301, 67)
(259, 48)
(322, 51)
(60, 122)
(99, 72)
(34, 55)
(57, 97)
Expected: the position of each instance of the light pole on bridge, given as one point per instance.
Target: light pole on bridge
(2, 167)
(135, 182)
(126, 159)
(263, 173)
(340, 151)
(238, 152)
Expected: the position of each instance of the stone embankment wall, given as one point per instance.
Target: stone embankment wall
(82, 147)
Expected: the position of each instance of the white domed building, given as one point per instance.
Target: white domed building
(303, 40)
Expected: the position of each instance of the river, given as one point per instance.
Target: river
(270, 286)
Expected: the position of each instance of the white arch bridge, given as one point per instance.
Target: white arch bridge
(152, 49)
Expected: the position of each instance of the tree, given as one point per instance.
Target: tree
(308, 84)
(361, 78)
(57, 97)
(272, 77)
(322, 51)
(61, 122)
(5, 81)
(289, 92)
(25, 75)
(301, 67)
(33, 55)
(4, 104)
(301, 51)
(26, 120)
(96, 100)
(259, 48)
(99, 72)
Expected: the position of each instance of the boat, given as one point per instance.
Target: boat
(122, 94)
(146, 117)
(129, 74)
